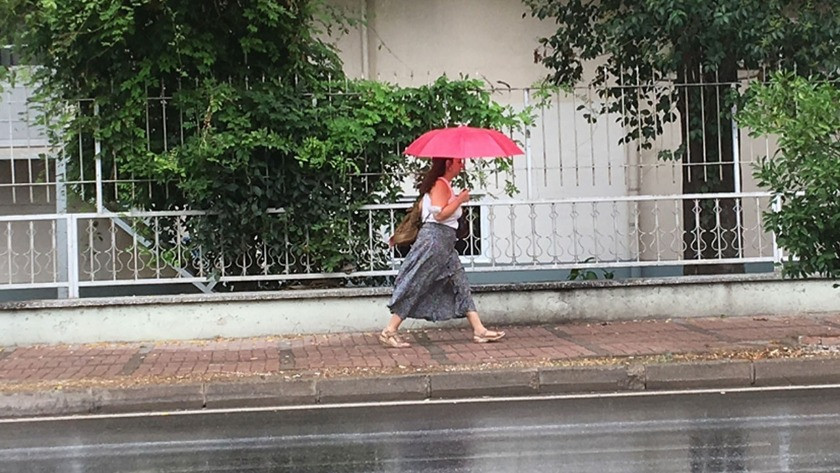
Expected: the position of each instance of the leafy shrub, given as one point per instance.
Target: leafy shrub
(236, 108)
(804, 173)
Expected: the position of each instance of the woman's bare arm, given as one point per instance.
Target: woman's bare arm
(440, 194)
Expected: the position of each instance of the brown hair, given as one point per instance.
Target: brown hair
(437, 170)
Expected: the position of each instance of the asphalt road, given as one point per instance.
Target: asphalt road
(778, 431)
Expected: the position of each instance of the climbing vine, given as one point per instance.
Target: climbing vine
(240, 109)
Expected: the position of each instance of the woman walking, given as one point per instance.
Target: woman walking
(431, 283)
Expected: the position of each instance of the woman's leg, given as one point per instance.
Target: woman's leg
(389, 336)
(480, 332)
(464, 303)
(394, 323)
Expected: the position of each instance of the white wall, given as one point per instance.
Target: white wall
(413, 42)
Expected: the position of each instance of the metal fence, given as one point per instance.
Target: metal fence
(585, 201)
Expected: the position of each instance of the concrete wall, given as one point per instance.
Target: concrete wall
(292, 312)
(413, 42)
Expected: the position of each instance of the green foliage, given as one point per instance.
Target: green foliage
(237, 108)
(691, 41)
(578, 274)
(804, 173)
(649, 39)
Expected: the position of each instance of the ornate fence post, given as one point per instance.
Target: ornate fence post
(72, 256)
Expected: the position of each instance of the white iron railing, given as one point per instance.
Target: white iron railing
(586, 201)
(91, 249)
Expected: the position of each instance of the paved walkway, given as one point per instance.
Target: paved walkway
(432, 350)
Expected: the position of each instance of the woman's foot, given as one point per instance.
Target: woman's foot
(487, 336)
(391, 340)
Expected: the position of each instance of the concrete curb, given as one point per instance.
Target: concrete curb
(709, 374)
(259, 393)
(437, 385)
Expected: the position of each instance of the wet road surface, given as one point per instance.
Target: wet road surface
(768, 431)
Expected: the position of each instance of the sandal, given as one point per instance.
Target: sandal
(488, 336)
(392, 340)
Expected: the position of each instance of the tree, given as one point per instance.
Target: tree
(238, 109)
(700, 45)
(804, 173)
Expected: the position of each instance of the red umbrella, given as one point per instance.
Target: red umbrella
(463, 142)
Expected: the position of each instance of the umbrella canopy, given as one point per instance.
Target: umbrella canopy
(463, 142)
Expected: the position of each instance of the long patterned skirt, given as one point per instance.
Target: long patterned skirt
(431, 283)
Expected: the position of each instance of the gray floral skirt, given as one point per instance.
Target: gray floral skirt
(431, 283)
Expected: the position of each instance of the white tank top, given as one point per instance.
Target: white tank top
(429, 210)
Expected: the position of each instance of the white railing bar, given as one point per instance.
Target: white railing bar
(405, 205)
(618, 264)
(97, 162)
(256, 277)
(129, 282)
(37, 285)
(514, 265)
(480, 267)
(72, 256)
(24, 218)
(585, 200)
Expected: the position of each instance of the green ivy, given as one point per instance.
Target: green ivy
(256, 114)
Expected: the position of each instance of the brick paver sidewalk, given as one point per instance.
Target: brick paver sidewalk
(431, 350)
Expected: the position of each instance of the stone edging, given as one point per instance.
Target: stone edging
(294, 294)
(437, 385)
